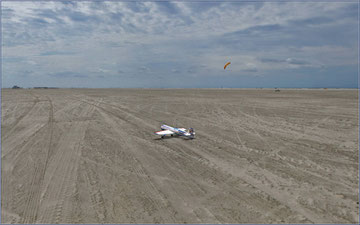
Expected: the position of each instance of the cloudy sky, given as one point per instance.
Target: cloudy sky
(180, 44)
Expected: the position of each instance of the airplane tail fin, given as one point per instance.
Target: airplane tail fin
(192, 131)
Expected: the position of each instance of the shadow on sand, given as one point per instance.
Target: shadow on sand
(169, 137)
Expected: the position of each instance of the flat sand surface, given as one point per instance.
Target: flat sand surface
(90, 156)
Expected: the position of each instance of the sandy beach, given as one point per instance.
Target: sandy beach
(259, 156)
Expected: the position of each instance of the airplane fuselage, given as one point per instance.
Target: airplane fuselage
(178, 131)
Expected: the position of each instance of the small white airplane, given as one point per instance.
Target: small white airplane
(167, 130)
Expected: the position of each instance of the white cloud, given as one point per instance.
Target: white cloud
(107, 37)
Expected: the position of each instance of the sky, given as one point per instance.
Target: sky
(180, 44)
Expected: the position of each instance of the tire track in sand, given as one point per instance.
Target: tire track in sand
(60, 178)
(33, 200)
(13, 126)
(157, 198)
(152, 194)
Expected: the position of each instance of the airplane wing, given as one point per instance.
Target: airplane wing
(164, 132)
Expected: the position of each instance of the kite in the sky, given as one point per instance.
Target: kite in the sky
(226, 65)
